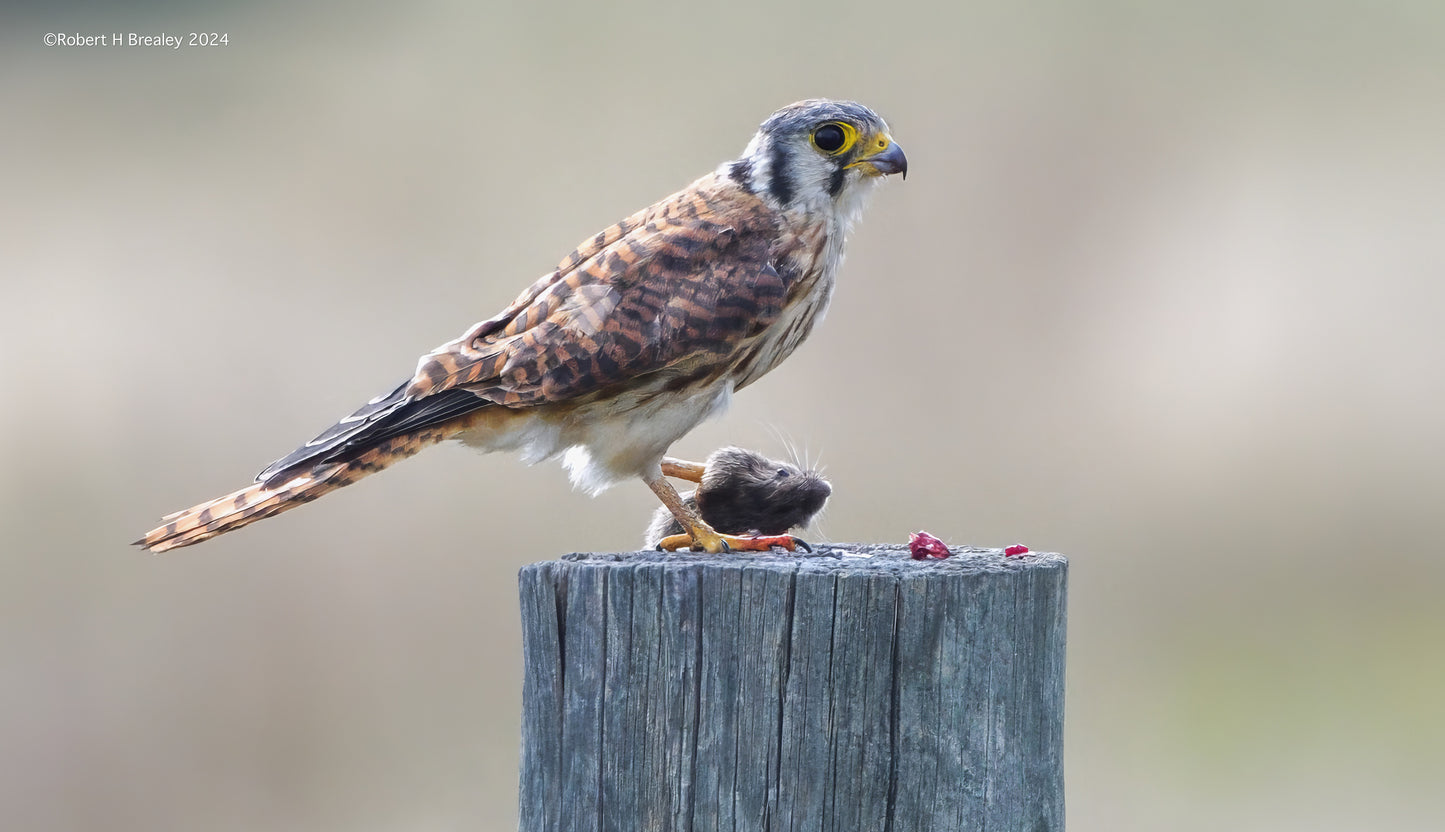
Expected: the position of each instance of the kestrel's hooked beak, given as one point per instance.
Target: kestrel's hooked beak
(883, 156)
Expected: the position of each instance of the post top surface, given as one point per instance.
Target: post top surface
(883, 558)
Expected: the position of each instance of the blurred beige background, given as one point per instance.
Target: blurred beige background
(1183, 267)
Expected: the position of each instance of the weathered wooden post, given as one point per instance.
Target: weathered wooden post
(847, 691)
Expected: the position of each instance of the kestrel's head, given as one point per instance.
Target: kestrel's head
(819, 155)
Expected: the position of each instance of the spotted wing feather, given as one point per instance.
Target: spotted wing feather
(679, 292)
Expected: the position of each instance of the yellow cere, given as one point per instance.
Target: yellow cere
(879, 144)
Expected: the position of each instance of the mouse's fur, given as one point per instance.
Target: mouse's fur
(743, 492)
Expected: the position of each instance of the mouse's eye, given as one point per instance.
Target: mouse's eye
(784, 472)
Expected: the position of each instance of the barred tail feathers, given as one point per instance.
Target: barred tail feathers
(259, 501)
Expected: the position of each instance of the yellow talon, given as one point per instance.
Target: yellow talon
(676, 542)
(702, 539)
(732, 543)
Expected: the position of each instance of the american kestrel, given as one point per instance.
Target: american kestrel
(634, 339)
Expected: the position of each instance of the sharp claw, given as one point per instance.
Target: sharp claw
(726, 549)
(798, 541)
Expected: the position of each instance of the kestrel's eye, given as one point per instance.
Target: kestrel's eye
(835, 137)
(829, 138)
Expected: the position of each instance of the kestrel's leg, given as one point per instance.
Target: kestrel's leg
(698, 534)
(682, 469)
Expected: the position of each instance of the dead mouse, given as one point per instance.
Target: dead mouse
(742, 492)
